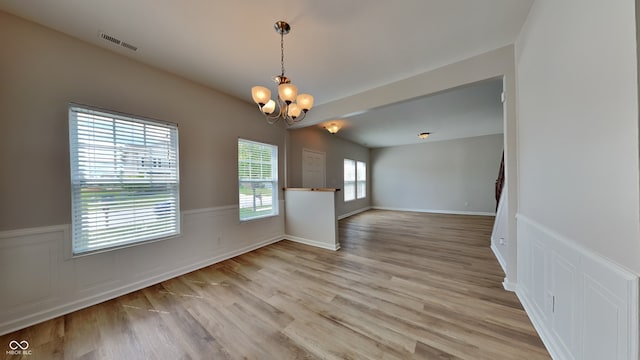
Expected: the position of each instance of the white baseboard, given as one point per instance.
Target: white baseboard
(312, 243)
(509, 285)
(506, 284)
(344, 216)
(498, 256)
(452, 212)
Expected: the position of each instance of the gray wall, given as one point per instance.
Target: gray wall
(578, 125)
(336, 150)
(492, 64)
(455, 176)
(578, 228)
(41, 71)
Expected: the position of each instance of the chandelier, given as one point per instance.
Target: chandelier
(291, 106)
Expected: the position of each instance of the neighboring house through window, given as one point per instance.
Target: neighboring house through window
(124, 179)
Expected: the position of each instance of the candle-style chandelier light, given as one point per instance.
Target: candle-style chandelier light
(291, 107)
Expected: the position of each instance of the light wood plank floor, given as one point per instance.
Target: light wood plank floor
(403, 286)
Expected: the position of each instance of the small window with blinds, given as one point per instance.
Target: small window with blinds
(361, 180)
(124, 179)
(355, 180)
(349, 180)
(257, 179)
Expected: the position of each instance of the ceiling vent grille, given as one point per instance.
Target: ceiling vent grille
(114, 40)
(129, 46)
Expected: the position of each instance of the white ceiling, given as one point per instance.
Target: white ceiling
(471, 110)
(336, 48)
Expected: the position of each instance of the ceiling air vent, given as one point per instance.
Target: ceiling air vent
(129, 46)
(116, 41)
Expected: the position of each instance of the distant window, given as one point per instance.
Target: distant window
(361, 180)
(355, 180)
(349, 180)
(257, 179)
(124, 179)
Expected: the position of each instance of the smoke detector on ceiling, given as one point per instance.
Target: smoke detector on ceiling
(114, 40)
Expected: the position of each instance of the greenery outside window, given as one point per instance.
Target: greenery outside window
(257, 179)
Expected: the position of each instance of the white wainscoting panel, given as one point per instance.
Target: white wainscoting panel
(538, 266)
(27, 269)
(583, 305)
(40, 281)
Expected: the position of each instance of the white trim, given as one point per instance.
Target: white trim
(547, 339)
(312, 243)
(452, 212)
(620, 270)
(210, 209)
(48, 314)
(499, 257)
(355, 212)
(506, 284)
(509, 285)
(634, 299)
(68, 255)
(6, 234)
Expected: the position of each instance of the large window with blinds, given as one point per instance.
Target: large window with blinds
(355, 180)
(124, 179)
(257, 179)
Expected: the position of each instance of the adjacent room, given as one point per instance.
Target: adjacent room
(319, 180)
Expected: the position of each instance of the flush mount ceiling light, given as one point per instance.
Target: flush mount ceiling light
(332, 128)
(291, 107)
(424, 135)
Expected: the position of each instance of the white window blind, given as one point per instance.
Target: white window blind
(349, 180)
(361, 180)
(257, 179)
(124, 179)
(355, 180)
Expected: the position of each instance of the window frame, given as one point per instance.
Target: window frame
(348, 165)
(88, 180)
(356, 181)
(361, 181)
(273, 182)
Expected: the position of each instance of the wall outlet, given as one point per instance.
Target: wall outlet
(502, 241)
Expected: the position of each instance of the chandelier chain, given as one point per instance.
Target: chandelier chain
(282, 52)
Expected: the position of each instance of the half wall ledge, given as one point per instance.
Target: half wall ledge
(310, 216)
